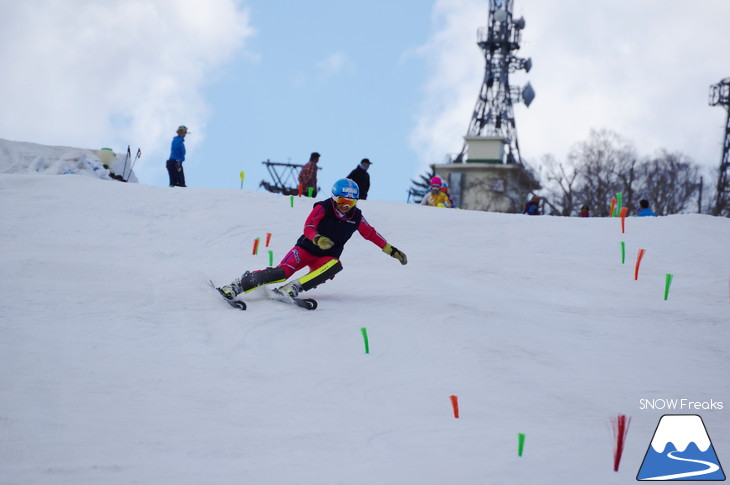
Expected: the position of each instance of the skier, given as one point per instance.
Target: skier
(329, 226)
(434, 197)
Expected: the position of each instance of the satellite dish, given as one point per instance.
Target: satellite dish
(500, 15)
(528, 94)
(528, 64)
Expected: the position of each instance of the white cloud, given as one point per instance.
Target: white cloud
(642, 69)
(333, 64)
(450, 92)
(92, 74)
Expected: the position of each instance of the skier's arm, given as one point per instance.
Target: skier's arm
(310, 229)
(313, 220)
(368, 232)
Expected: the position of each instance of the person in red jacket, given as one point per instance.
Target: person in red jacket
(326, 231)
(308, 175)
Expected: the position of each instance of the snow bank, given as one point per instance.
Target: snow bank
(24, 157)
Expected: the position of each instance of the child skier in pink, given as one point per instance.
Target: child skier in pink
(329, 226)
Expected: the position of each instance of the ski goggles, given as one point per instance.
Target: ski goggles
(345, 201)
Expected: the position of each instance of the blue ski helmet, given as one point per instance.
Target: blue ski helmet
(346, 188)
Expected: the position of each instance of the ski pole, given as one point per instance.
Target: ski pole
(126, 160)
(139, 154)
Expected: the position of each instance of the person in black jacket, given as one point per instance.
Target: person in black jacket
(361, 177)
(329, 226)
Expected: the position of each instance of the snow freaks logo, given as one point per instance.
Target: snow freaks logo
(681, 450)
(680, 404)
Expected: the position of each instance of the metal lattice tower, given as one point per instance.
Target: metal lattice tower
(720, 96)
(493, 113)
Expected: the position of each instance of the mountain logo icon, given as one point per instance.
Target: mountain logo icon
(680, 450)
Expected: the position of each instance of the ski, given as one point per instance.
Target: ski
(306, 303)
(234, 303)
(275, 294)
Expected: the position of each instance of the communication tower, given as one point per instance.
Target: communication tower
(493, 114)
(720, 96)
(488, 173)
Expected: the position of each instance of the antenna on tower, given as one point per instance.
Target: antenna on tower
(720, 96)
(493, 113)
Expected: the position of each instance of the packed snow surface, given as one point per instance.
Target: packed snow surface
(120, 365)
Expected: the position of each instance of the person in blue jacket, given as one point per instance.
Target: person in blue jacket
(645, 211)
(177, 157)
(532, 208)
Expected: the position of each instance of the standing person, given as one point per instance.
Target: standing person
(361, 177)
(584, 211)
(308, 175)
(445, 190)
(329, 226)
(434, 197)
(177, 157)
(532, 208)
(645, 211)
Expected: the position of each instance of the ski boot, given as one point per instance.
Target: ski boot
(293, 288)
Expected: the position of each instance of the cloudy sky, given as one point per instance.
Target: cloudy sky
(392, 81)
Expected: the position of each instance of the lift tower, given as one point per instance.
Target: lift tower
(493, 113)
(720, 96)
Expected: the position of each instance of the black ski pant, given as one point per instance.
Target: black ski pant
(175, 171)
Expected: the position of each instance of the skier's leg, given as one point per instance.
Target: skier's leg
(251, 280)
(296, 259)
(320, 275)
(314, 278)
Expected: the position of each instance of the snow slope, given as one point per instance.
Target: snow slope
(25, 157)
(120, 365)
